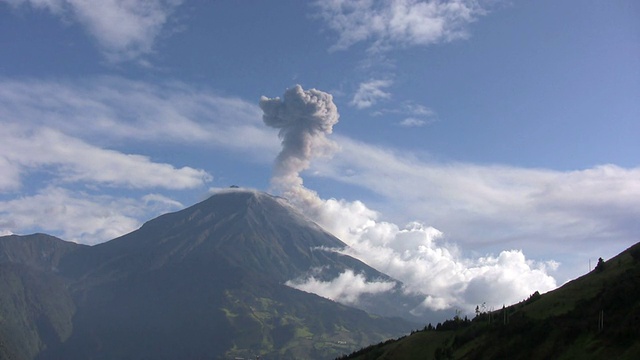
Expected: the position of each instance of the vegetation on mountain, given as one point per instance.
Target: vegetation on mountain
(596, 316)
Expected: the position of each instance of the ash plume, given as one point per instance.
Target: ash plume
(304, 118)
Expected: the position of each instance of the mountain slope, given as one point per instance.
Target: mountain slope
(252, 230)
(39, 251)
(596, 316)
(36, 308)
(204, 282)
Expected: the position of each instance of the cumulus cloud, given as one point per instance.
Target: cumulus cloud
(346, 288)
(420, 257)
(124, 29)
(370, 92)
(78, 216)
(514, 207)
(398, 22)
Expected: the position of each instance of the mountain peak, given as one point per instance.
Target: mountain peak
(242, 228)
(235, 197)
(257, 205)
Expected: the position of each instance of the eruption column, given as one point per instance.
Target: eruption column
(304, 119)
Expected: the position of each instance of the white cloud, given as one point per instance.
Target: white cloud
(112, 109)
(419, 256)
(498, 206)
(398, 22)
(10, 178)
(415, 115)
(29, 149)
(414, 109)
(78, 216)
(346, 288)
(413, 122)
(370, 92)
(124, 29)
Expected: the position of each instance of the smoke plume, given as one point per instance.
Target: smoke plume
(304, 119)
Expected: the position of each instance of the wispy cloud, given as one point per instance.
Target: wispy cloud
(72, 160)
(388, 24)
(413, 122)
(414, 115)
(108, 109)
(371, 92)
(124, 29)
(65, 140)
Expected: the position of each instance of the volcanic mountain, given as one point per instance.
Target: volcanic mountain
(205, 282)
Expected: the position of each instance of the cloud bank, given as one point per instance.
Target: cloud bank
(420, 257)
(496, 204)
(124, 29)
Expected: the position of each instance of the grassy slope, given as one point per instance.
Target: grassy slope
(286, 324)
(562, 324)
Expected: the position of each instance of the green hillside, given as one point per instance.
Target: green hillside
(596, 316)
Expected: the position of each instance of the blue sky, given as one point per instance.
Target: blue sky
(509, 126)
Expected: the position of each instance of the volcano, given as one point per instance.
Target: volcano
(206, 282)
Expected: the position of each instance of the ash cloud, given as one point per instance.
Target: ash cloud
(304, 118)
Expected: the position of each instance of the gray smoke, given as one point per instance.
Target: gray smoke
(304, 118)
